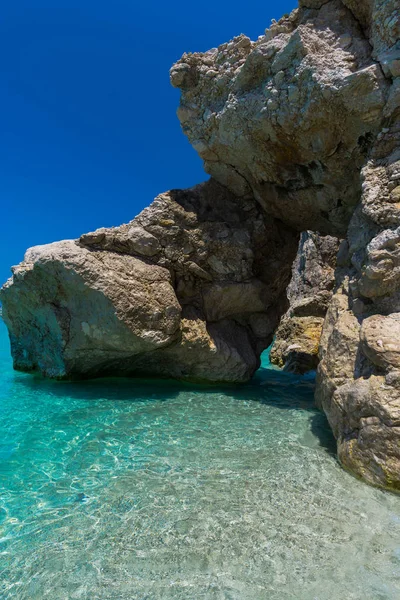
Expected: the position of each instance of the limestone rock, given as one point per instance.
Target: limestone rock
(175, 293)
(297, 343)
(309, 292)
(289, 118)
(70, 310)
(306, 120)
(380, 274)
(380, 340)
(357, 385)
(367, 417)
(362, 405)
(300, 131)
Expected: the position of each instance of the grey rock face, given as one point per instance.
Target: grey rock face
(358, 380)
(380, 340)
(180, 291)
(70, 310)
(309, 293)
(277, 118)
(307, 120)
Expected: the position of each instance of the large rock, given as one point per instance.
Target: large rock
(359, 389)
(289, 118)
(192, 288)
(71, 310)
(307, 120)
(359, 379)
(309, 293)
(380, 340)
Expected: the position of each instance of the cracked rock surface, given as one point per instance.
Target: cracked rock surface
(192, 288)
(307, 120)
(277, 118)
(309, 293)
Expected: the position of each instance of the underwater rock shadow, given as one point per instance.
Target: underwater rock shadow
(102, 389)
(272, 387)
(268, 386)
(321, 429)
(293, 392)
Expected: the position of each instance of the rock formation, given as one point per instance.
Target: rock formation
(307, 120)
(289, 118)
(359, 378)
(192, 288)
(299, 131)
(310, 290)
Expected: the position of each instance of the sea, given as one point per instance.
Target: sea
(153, 489)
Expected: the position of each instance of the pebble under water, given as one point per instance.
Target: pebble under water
(134, 490)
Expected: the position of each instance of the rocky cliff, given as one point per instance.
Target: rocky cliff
(359, 378)
(299, 131)
(290, 118)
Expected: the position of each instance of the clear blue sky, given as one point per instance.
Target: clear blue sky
(89, 134)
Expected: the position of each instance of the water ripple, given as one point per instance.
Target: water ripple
(135, 490)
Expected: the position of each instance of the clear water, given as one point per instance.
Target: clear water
(155, 490)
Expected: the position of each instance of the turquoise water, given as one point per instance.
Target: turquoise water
(135, 490)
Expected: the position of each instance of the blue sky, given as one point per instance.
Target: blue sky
(89, 134)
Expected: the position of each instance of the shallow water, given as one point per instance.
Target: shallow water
(135, 490)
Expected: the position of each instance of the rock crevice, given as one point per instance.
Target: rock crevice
(309, 293)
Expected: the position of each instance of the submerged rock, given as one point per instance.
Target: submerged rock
(192, 288)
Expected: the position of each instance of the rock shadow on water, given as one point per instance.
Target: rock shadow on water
(290, 391)
(104, 389)
(270, 385)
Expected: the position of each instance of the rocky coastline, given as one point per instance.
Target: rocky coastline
(300, 133)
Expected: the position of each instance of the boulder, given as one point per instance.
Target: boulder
(73, 311)
(178, 292)
(380, 340)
